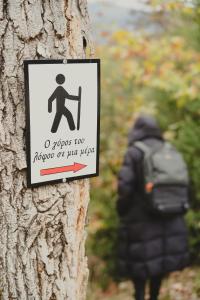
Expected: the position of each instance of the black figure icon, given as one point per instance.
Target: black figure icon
(60, 94)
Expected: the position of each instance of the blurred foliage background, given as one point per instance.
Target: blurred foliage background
(156, 74)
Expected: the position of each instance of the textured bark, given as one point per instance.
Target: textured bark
(42, 230)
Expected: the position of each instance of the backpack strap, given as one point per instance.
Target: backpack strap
(148, 153)
(143, 147)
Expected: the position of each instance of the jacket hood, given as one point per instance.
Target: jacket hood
(144, 127)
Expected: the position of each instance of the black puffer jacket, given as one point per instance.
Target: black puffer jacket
(148, 245)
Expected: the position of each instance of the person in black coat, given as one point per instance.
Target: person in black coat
(149, 246)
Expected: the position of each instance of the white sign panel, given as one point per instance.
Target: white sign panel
(62, 113)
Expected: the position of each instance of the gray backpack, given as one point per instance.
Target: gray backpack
(166, 180)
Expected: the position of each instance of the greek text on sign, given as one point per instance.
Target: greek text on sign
(62, 109)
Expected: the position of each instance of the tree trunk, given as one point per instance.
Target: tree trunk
(42, 234)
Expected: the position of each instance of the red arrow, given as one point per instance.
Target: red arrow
(75, 168)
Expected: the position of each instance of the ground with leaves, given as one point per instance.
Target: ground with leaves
(178, 286)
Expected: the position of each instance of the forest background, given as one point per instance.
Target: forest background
(152, 68)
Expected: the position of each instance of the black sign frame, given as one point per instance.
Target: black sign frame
(28, 125)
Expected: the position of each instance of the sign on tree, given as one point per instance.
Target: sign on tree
(62, 109)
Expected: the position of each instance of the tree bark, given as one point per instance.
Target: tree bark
(42, 230)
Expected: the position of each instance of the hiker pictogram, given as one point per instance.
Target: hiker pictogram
(60, 94)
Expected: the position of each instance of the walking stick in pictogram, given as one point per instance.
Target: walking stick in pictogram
(79, 108)
(60, 94)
